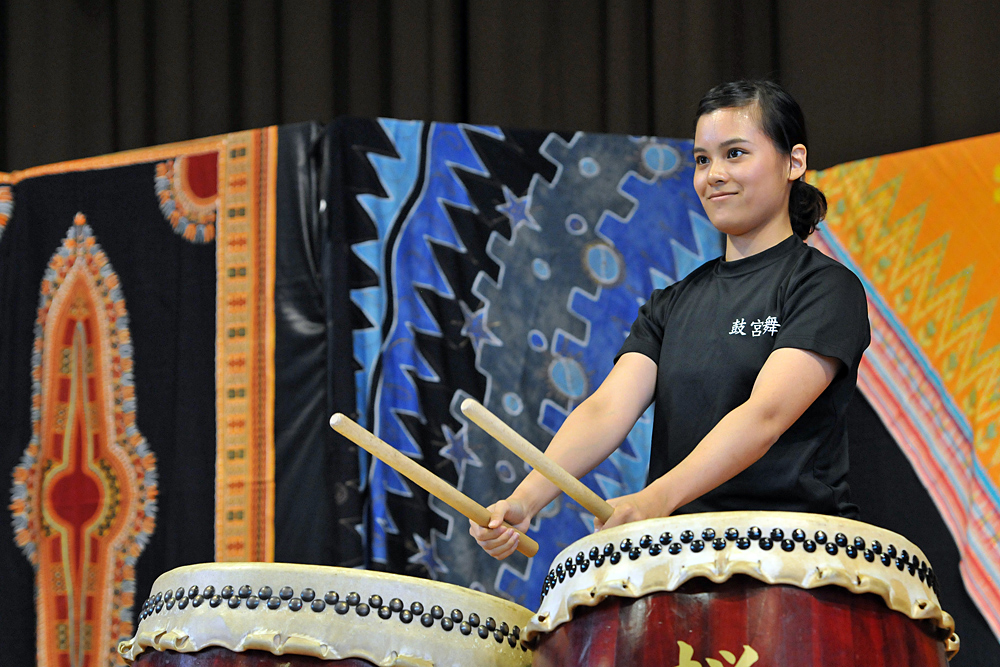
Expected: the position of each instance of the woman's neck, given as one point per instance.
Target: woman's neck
(758, 240)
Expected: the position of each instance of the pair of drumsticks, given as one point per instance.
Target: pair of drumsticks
(451, 496)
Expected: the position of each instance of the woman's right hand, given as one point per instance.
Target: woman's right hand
(497, 539)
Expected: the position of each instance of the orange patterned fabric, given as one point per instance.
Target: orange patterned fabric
(85, 491)
(188, 192)
(918, 228)
(244, 510)
(6, 203)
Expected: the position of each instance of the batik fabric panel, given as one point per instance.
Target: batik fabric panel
(504, 266)
(918, 229)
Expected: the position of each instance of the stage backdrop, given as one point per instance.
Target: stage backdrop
(504, 266)
(178, 323)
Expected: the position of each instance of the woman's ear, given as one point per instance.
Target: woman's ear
(797, 162)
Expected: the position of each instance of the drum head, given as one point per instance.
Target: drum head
(329, 613)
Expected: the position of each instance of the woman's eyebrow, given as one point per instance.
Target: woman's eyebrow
(734, 140)
(727, 142)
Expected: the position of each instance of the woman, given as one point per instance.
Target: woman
(751, 359)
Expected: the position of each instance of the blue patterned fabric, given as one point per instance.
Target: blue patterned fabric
(509, 268)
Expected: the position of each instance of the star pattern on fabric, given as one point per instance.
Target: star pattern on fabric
(457, 450)
(427, 556)
(476, 328)
(516, 208)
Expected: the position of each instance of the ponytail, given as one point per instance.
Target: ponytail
(806, 208)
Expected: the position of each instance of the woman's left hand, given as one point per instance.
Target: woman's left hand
(633, 507)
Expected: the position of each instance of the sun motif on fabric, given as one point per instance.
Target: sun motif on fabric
(6, 206)
(84, 494)
(188, 192)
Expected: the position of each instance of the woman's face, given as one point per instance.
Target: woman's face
(742, 179)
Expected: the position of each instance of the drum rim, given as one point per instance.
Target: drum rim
(824, 571)
(163, 632)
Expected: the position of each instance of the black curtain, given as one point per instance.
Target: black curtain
(317, 503)
(87, 77)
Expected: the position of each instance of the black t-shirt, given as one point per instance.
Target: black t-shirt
(711, 333)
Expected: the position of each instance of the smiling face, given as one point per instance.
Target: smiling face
(743, 180)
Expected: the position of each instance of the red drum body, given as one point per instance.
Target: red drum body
(750, 620)
(737, 589)
(273, 614)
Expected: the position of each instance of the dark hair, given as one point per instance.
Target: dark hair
(782, 121)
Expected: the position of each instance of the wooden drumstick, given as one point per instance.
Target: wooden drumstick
(430, 482)
(551, 470)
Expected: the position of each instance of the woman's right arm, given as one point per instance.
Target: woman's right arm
(589, 435)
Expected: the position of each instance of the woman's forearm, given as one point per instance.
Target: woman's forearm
(789, 382)
(737, 441)
(587, 437)
(595, 428)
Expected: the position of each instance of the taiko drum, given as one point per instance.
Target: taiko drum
(739, 589)
(270, 614)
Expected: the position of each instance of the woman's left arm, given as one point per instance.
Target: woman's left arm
(790, 380)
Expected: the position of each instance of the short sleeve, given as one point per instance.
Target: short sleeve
(646, 334)
(827, 313)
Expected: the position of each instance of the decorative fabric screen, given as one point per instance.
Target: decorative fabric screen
(506, 266)
(918, 227)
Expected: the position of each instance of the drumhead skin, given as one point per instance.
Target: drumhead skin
(802, 550)
(329, 613)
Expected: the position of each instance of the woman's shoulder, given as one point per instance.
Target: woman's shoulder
(816, 267)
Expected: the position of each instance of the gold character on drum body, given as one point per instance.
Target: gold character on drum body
(741, 422)
(747, 658)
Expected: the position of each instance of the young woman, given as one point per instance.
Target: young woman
(751, 359)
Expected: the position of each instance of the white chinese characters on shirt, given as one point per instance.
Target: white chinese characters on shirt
(758, 327)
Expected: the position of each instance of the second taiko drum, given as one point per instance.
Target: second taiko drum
(737, 589)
